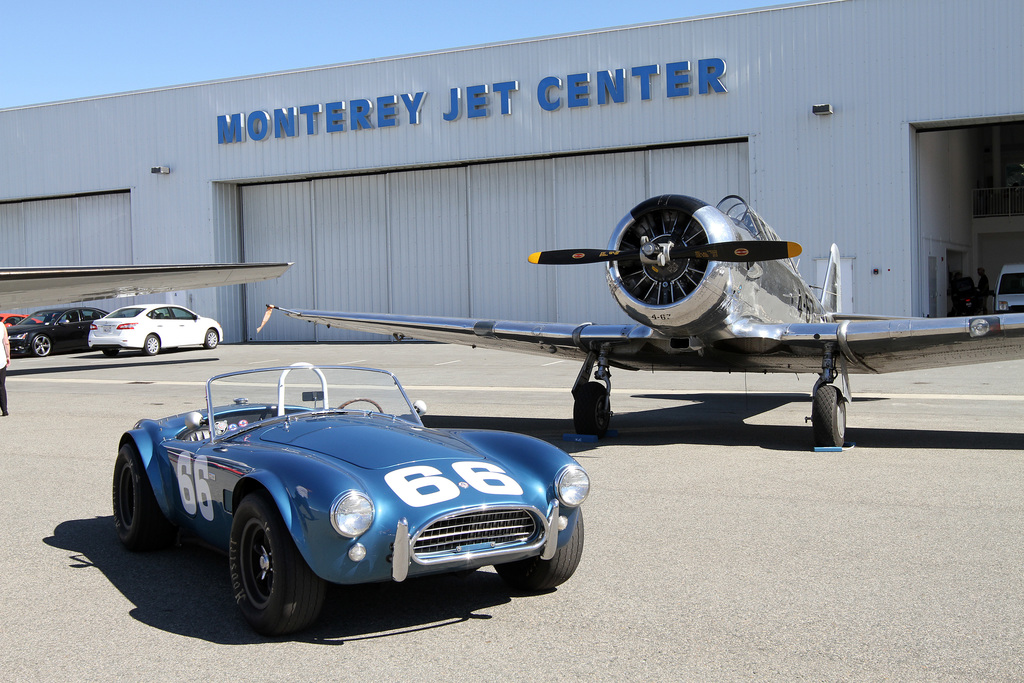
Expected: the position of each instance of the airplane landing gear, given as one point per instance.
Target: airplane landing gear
(828, 410)
(828, 417)
(592, 408)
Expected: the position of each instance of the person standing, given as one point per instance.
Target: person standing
(983, 291)
(5, 341)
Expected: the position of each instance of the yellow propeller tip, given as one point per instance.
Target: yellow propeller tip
(534, 257)
(794, 249)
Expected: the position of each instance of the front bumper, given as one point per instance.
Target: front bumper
(477, 554)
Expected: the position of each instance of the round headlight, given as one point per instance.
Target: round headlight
(572, 486)
(352, 514)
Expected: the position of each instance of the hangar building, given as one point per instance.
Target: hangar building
(419, 184)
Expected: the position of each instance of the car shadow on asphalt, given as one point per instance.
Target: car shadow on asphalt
(714, 419)
(186, 590)
(107, 364)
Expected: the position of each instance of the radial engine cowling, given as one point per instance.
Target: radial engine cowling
(683, 296)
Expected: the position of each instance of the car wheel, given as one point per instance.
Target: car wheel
(151, 346)
(535, 574)
(41, 346)
(274, 588)
(137, 517)
(592, 410)
(110, 353)
(212, 339)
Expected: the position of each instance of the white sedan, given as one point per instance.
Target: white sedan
(151, 328)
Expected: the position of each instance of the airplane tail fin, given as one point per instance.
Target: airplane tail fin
(831, 289)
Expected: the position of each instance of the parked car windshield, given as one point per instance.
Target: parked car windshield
(239, 399)
(126, 312)
(46, 317)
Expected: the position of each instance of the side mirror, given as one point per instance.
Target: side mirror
(420, 407)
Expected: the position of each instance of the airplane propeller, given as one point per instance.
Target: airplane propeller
(741, 251)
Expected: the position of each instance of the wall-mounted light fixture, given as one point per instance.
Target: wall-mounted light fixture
(821, 109)
(163, 170)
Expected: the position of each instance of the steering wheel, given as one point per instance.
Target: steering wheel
(357, 400)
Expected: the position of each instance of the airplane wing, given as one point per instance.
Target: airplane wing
(897, 344)
(30, 287)
(569, 339)
(871, 345)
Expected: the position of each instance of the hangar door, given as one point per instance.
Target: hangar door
(67, 231)
(454, 241)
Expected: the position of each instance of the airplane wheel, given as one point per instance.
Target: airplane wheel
(828, 417)
(592, 410)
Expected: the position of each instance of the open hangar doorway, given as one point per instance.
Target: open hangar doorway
(970, 192)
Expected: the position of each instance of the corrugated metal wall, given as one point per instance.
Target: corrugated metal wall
(454, 242)
(69, 231)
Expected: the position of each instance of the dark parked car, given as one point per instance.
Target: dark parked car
(57, 329)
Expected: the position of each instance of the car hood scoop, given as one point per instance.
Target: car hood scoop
(382, 444)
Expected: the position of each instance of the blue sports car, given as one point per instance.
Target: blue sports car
(308, 474)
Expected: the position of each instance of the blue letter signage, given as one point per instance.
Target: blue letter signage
(479, 101)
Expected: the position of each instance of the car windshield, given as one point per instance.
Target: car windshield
(1011, 283)
(126, 312)
(239, 399)
(47, 317)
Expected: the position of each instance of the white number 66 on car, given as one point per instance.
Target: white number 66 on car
(311, 475)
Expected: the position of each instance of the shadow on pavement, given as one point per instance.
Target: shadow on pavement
(98, 362)
(186, 590)
(719, 420)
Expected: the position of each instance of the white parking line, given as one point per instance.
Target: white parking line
(448, 362)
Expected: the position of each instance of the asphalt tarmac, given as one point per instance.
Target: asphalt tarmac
(719, 545)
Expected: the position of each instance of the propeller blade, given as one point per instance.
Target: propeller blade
(562, 257)
(742, 251)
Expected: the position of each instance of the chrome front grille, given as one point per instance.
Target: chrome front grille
(480, 530)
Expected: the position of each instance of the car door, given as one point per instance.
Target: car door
(188, 330)
(69, 332)
(164, 325)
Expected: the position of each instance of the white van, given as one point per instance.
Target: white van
(1010, 289)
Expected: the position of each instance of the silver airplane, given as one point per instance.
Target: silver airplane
(31, 287)
(713, 288)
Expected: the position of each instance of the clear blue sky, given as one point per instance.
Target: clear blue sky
(60, 50)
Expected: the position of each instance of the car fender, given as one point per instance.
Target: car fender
(521, 452)
(160, 476)
(305, 512)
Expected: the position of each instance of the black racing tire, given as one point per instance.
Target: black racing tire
(110, 353)
(211, 339)
(41, 346)
(273, 586)
(535, 574)
(828, 417)
(151, 346)
(139, 522)
(591, 411)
